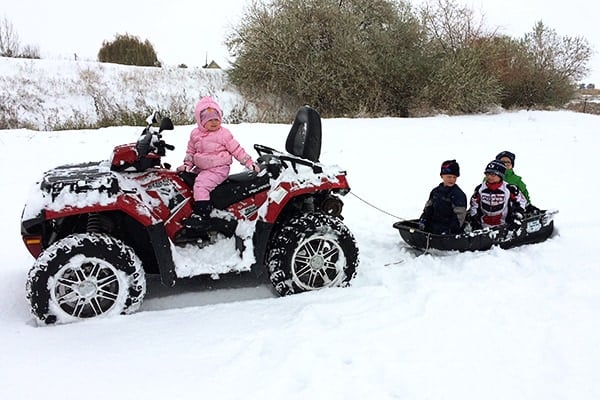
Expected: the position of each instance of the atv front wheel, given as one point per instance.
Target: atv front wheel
(84, 276)
(311, 251)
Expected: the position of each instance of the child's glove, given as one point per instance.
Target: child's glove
(517, 221)
(474, 222)
(187, 168)
(252, 166)
(467, 228)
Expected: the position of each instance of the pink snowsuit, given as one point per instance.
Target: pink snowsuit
(211, 153)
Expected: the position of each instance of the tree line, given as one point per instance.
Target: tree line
(377, 58)
(124, 49)
(384, 57)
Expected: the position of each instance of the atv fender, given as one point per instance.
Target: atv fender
(261, 240)
(127, 204)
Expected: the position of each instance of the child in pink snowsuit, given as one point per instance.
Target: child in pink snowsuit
(209, 154)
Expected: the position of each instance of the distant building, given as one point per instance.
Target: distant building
(212, 65)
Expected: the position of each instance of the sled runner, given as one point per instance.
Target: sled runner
(536, 228)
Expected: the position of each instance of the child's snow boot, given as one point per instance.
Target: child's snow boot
(202, 208)
(201, 216)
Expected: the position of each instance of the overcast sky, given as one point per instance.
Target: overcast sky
(190, 32)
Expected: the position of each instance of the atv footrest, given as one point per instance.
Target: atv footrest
(197, 227)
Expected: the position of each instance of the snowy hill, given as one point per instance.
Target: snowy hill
(502, 324)
(51, 93)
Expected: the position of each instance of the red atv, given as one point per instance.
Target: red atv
(96, 229)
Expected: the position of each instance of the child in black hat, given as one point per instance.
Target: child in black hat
(446, 208)
(496, 202)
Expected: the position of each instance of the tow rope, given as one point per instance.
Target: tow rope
(377, 208)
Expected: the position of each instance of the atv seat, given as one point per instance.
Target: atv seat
(235, 188)
(304, 139)
(238, 187)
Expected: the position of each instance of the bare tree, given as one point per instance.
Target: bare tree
(458, 44)
(566, 56)
(341, 57)
(9, 40)
(450, 26)
(30, 51)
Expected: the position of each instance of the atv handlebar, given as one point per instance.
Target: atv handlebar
(261, 149)
(161, 145)
(267, 154)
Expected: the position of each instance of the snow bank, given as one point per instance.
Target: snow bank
(51, 94)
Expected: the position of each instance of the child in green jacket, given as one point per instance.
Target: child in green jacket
(508, 159)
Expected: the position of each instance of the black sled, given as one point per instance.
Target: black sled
(536, 228)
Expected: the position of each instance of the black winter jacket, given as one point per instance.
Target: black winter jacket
(445, 210)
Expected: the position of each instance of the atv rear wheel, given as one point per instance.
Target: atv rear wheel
(84, 276)
(311, 251)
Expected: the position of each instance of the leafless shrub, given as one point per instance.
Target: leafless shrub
(9, 39)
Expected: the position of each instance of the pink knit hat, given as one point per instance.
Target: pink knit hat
(209, 114)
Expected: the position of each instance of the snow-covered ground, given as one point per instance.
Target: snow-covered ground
(501, 324)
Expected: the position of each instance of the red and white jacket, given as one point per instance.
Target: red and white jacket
(494, 204)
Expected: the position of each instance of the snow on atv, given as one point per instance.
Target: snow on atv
(97, 228)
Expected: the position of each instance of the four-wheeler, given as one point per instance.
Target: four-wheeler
(96, 229)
